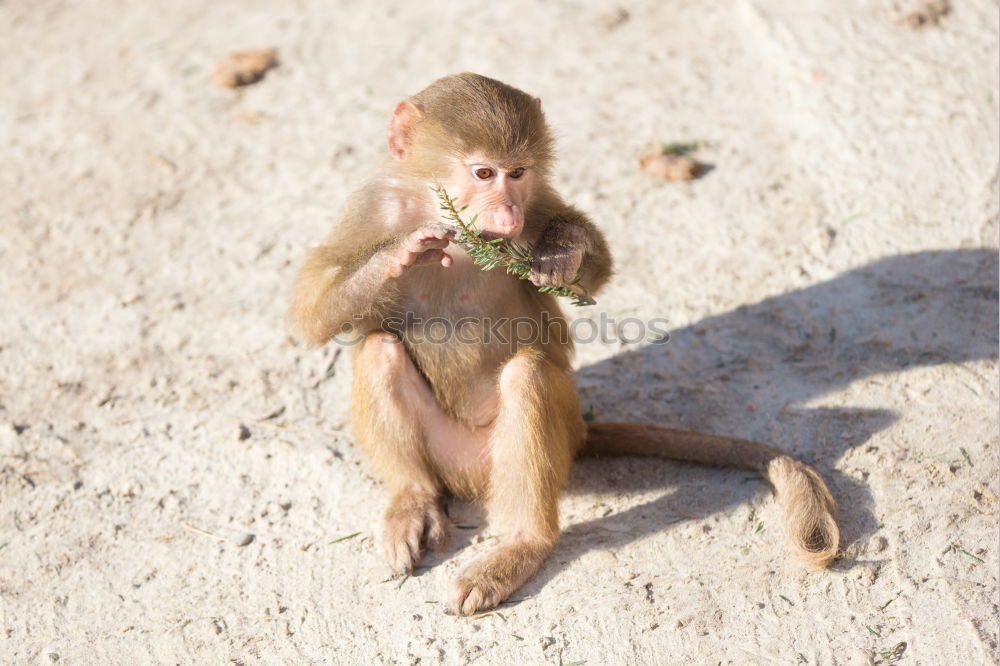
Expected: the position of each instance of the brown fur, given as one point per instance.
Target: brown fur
(467, 112)
(809, 506)
(494, 421)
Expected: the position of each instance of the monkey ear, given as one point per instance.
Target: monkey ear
(538, 103)
(401, 129)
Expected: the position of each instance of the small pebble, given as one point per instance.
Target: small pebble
(246, 540)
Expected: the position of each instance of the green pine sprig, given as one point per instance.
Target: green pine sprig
(513, 257)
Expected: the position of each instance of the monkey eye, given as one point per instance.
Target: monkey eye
(482, 172)
(516, 173)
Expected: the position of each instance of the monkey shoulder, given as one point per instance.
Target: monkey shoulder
(399, 208)
(379, 210)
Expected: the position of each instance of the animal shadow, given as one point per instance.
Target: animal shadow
(750, 372)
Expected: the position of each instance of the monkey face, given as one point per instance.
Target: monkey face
(495, 192)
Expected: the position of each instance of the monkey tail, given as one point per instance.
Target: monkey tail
(809, 507)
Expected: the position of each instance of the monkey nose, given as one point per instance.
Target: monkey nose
(507, 218)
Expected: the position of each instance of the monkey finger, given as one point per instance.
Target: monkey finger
(433, 257)
(423, 244)
(541, 279)
(438, 231)
(448, 232)
(437, 243)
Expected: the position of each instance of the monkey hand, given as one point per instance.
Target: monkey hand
(423, 246)
(558, 256)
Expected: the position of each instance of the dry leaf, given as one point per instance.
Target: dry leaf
(669, 166)
(930, 12)
(241, 69)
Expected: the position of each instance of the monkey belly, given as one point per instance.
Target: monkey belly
(460, 456)
(458, 448)
(459, 451)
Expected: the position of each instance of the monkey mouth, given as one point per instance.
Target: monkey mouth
(494, 235)
(505, 231)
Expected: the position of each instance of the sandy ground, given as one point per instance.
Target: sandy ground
(831, 284)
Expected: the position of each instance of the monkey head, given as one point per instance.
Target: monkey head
(485, 141)
(495, 191)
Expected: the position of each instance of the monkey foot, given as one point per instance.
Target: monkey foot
(490, 580)
(412, 519)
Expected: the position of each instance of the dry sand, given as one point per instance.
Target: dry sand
(831, 283)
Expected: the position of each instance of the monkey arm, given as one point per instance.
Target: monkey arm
(335, 289)
(597, 266)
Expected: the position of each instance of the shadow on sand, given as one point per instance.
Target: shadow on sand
(749, 373)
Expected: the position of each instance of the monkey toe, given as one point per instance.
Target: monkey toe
(405, 533)
(490, 580)
(435, 532)
(474, 593)
(484, 584)
(401, 546)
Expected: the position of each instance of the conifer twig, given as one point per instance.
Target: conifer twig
(514, 257)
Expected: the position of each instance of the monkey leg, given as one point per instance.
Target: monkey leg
(536, 434)
(390, 402)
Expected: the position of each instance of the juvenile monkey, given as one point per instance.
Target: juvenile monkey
(471, 414)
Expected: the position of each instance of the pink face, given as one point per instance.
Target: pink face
(495, 194)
